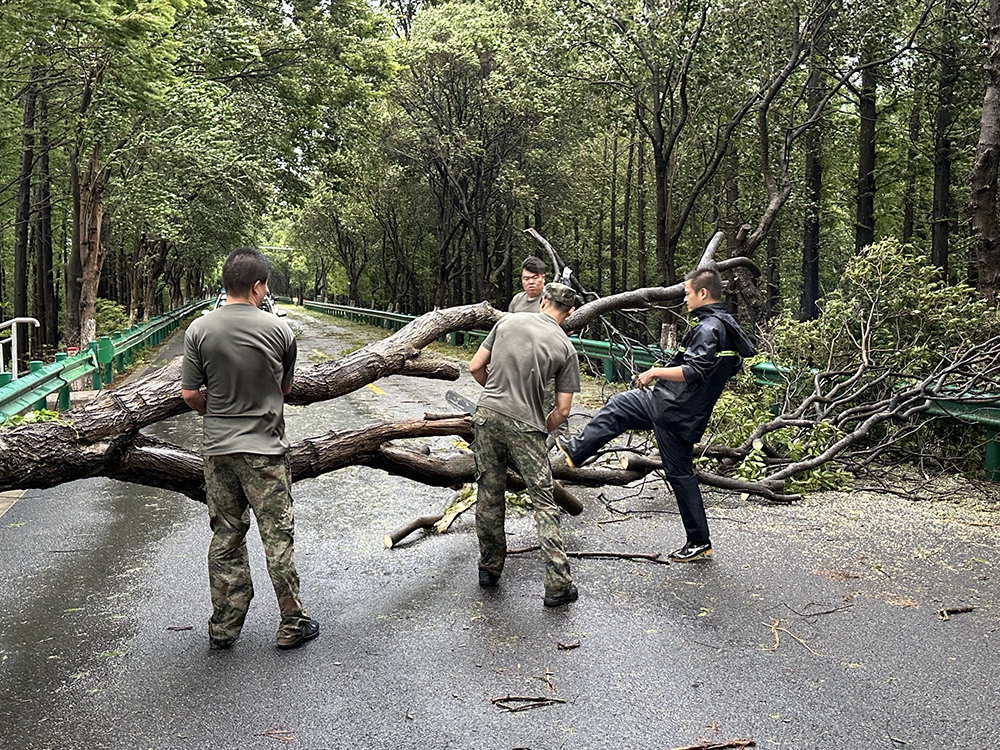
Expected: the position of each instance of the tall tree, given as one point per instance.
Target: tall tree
(986, 169)
(864, 232)
(941, 212)
(813, 153)
(23, 215)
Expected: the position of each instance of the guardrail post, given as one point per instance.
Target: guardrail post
(62, 399)
(119, 356)
(127, 355)
(105, 353)
(34, 366)
(95, 376)
(992, 455)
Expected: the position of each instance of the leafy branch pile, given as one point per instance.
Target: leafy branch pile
(856, 381)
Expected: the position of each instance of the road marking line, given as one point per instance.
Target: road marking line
(7, 500)
(375, 389)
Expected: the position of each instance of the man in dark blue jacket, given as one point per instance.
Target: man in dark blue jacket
(676, 402)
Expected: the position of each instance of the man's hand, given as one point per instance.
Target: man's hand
(643, 380)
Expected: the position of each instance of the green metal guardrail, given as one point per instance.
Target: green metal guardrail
(102, 358)
(985, 411)
(618, 362)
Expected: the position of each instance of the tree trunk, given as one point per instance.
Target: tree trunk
(771, 276)
(613, 221)
(983, 196)
(941, 218)
(134, 273)
(22, 209)
(640, 215)
(91, 246)
(47, 304)
(814, 195)
(910, 193)
(665, 273)
(864, 227)
(155, 262)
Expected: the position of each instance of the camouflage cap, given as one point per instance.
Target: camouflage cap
(560, 293)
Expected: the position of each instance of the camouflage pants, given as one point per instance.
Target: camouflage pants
(235, 484)
(501, 440)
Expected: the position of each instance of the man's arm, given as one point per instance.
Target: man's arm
(195, 400)
(560, 411)
(698, 359)
(643, 380)
(477, 367)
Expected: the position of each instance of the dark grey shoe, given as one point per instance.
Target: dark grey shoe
(219, 645)
(571, 595)
(690, 552)
(487, 579)
(309, 631)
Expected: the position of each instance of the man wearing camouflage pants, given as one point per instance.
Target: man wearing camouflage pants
(245, 357)
(521, 354)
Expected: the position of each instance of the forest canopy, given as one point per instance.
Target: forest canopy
(394, 156)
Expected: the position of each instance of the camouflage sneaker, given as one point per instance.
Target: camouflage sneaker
(310, 629)
(216, 644)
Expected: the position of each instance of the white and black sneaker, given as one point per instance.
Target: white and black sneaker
(690, 552)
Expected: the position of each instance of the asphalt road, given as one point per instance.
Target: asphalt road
(816, 626)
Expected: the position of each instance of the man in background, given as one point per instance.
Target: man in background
(532, 281)
(521, 354)
(244, 359)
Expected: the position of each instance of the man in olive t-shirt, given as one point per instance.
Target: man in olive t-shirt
(532, 281)
(521, 354)
(244, 358)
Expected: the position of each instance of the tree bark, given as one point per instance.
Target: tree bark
(91, 250)
(640, 215)
(983, 194)
(155, 263)
(910, 194)
(864, 226)
(814, 195)
(941, 218)
(22, 210)
(47, 303)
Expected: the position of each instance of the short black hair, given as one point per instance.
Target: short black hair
(533, 264)
(243, 267)
(705, 278)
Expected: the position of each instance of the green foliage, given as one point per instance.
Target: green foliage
(890, 321)
(890, 311)
(744, 406)
(32, 417)
(111, 317)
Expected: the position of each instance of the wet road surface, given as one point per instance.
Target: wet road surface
(816, 626)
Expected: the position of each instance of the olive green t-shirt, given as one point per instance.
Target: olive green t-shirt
(243, 356)
(523, 303)
(527, 351)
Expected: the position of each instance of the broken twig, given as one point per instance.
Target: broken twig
(651, 557)
(515, 703)
(945, 614)
(776, 628)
